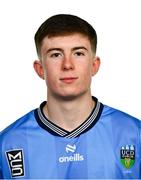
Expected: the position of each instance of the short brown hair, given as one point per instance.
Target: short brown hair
(65, 24)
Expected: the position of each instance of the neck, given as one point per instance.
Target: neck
(69, 114)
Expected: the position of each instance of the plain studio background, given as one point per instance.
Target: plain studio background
(119, 42)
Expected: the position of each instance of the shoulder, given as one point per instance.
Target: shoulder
(19, 124)
(120, 118)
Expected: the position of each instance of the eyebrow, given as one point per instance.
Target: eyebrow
(79, 47)
(59, 49)
(53, 49)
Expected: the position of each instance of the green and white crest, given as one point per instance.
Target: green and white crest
(127, 156)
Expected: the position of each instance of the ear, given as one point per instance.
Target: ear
(95, 65)
(38, 67)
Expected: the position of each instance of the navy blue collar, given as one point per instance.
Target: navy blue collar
(52, 128)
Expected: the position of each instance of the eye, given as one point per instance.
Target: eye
(78, 53)
(55, 55)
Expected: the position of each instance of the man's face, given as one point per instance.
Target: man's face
(68, 64)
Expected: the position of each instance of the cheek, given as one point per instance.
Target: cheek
(85, 76)
(51, 76)
(50, 81)
(87, 71)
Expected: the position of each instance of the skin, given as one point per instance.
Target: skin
(67, 65)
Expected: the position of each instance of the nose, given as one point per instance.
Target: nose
(67, 63)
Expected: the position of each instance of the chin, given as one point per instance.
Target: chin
(70, 96)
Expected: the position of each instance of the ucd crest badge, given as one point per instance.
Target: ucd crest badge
(127, 156)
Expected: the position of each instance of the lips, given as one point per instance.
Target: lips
(68, 79)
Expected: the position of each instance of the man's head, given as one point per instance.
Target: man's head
(66, 46)
(65, 24)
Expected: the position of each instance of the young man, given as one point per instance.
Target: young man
(71, 135)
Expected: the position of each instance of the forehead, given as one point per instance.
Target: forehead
(66, 41)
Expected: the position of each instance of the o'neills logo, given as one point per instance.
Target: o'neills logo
(75, 157)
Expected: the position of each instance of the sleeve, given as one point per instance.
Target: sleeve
(1, 176)
(140, 149)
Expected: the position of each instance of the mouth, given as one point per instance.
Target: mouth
(68, 80)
